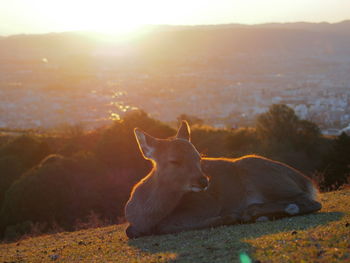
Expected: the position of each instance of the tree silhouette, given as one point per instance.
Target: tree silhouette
(280, 124)
(337, 162)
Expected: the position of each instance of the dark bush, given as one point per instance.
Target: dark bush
(286, 138)
(210, 141)
(11, 170)
(18, 155)
(58, 190)
(117, 147)
(243, 141)
(336, 163)
(28, 149)
(280, 125)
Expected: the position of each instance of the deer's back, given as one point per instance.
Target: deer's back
(253, 179)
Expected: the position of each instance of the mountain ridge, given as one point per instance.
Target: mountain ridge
(212, 40)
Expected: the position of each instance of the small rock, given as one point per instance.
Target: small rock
(54, 257)
(210, 248)
(319, 253)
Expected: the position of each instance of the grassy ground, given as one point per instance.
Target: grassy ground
(321, 237)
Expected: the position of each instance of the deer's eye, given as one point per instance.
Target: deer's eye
(175, 162)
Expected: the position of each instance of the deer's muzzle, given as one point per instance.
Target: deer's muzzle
(201, 184)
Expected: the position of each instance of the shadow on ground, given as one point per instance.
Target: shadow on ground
(224, 244)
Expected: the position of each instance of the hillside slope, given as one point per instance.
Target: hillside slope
(321, 237)
(320, 39)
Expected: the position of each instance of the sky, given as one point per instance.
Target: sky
(115, 16)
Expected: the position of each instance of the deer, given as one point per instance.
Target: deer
(185, 191)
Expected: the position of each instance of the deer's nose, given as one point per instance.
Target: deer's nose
(203, 182)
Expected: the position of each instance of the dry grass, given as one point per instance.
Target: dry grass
(321, 237)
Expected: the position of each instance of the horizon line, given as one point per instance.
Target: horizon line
(179, 25)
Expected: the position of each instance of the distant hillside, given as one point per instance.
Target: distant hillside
(321, 237)
(341, 27)
(311, 39)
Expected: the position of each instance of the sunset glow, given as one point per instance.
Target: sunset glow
(123, 17)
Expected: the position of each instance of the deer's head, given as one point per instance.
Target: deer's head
(176, 161)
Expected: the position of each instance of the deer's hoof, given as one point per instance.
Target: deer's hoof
(131, 232)
(245, 218)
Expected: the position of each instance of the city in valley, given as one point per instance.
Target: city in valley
(225, 75)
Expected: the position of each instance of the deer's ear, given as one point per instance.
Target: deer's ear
(184, 131)
(146, 143)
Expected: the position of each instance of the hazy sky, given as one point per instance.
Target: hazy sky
(37, 16)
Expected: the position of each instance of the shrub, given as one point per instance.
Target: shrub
(117, 146)
(210, 141)
(16, 156)
(28, 149)
(280, 125)
(278, 122)
(11, 170)
(58, 189)
(336, 164)
(243, 141)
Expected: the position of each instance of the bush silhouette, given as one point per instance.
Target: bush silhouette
(18, 155)
(281, 125)
(243, 141)
(336, 164)
(58, 190)
(117, 147)
(11, 170)
(28, 149)
(284, 137)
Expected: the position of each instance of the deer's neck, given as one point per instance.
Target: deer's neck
(150, 201)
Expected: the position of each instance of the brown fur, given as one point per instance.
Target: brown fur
(246, 189)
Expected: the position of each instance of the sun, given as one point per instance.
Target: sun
(109, 22)
(116, 31)
(114, 17)
(118, 18)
